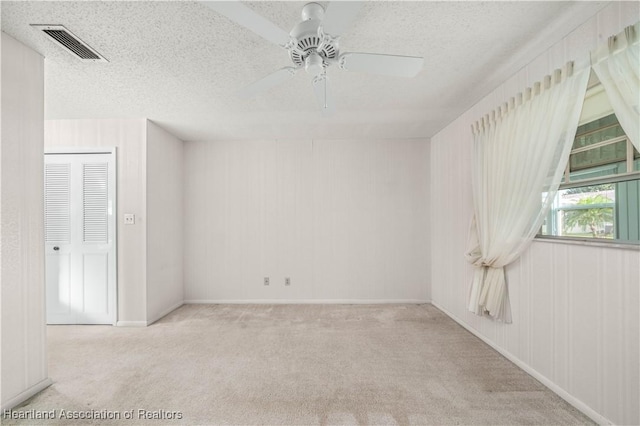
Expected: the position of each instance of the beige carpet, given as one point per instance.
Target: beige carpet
(292, 364)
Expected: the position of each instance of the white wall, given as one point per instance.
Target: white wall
(344, 219)
(23, 333)
(575, 308)
(165, 188)
(129, 137)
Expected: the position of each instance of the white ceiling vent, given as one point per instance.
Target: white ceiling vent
(71, 42)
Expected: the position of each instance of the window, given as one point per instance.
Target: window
(599, 197)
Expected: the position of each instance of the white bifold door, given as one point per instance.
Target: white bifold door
(80, 245)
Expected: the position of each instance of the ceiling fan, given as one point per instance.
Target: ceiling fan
(313, 44)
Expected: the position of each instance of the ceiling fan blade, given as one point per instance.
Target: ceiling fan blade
(266, 83)
(249, 19)
(339, 16)
(401, 66)
(322, 91)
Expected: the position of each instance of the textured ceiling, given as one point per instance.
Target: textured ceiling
(179, 64)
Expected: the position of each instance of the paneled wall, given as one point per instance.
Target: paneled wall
(165, 188)
(23, 355)
(345, 220)
(129, 138)
(575, 308)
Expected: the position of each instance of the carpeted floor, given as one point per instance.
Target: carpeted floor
(291, 364)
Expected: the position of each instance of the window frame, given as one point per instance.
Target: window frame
(595, 89)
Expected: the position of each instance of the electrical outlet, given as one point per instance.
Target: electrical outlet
(287, 281)
(266, 280)
(129, 219)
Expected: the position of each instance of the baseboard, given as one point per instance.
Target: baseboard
(581, 406)
(165, 312)
(23, 396)
(131, 323)
(304, 301)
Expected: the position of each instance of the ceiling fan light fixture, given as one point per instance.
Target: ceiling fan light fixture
(313, 64)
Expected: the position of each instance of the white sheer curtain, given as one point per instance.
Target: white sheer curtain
(520, 153)
(617, 65)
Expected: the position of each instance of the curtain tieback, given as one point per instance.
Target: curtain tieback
(488, 290)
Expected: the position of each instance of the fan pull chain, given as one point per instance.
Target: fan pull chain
(325, 88)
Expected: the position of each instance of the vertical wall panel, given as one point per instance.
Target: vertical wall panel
(584, 322)
(630, 340)
(294, 222)
(541, 336)
(561, 313)
(165, 214)
(613, 358)
(344, 219)
(576, 308)
(23, 367)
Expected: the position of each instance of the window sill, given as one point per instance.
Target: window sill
(588, 242)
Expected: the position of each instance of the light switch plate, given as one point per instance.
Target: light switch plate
(129, 219)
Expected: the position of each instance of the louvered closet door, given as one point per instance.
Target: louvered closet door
(80, 238)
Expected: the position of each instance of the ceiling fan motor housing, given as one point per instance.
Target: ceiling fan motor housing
(308, 39)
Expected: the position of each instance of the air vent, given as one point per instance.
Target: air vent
(71, 42)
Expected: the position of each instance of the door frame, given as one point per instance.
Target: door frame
(113, 219)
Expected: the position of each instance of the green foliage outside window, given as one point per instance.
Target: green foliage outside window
(595, 218)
